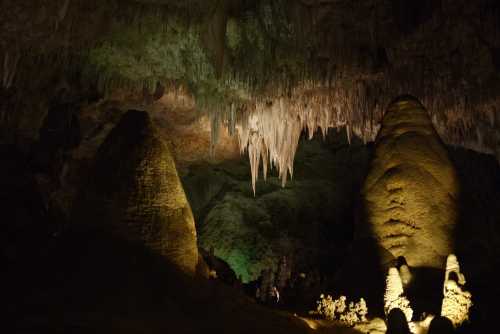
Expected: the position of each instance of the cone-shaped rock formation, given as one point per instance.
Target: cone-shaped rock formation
(136, 193)
(411, 190)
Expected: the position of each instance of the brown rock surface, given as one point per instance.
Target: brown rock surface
(136, 193)
(411, 190)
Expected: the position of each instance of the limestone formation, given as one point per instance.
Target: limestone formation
(404, 271)
(453, 268)
(136, 193)
(394, 297)
(456, 300)
(411, 190)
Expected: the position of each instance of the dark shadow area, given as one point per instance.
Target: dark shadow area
(93, 283)
(477, 237)
(425, 292)
(83, 281)
(409, 15)
(397, 323)
(361, 273)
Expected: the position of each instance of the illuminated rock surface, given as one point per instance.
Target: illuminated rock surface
(137, 193)
(411, 190)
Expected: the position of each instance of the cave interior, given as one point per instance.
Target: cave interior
(250, 166)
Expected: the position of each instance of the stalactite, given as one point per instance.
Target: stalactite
(5, 69)
(231, 125)
(270, 126)
(215, 124)
(270, 130)
(61, 14)
(10, 68)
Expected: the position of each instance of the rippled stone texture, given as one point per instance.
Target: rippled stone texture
(411, 190)
(136, 193)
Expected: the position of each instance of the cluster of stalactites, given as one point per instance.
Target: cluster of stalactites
(470, 126)
(270, 129)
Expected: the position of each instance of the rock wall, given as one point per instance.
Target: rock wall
(411, 190)
(309, 220)
(135, 193)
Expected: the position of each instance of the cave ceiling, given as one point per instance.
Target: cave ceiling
(263, 70)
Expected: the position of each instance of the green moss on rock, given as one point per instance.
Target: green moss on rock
(153, 51)
(260, 52)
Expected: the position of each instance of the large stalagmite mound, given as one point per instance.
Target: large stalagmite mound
(136, 194)
(411, 190)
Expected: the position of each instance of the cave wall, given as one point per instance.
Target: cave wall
(309, 220)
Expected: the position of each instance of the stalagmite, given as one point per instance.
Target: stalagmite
(135, 193)
(456, 300)
(394, 295)
(411, 190)
(453, 267)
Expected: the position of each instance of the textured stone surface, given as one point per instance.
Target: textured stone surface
(446, 52)
(308, 220)
(411, 190)
(136, 193)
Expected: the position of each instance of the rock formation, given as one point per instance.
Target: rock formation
(453, 268)
(394, 297)
(136, 193)
(411, 190)
(456, 300)
(252, 233)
